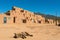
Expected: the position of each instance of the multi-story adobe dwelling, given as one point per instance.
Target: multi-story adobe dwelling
(19, 15)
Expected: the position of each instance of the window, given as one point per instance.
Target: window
(39, 21)
(5, 20)
(24, 20)
(21, 10)
(13, 8)
(46, 21)
(23, 14)
(26, 17)
(7, 13)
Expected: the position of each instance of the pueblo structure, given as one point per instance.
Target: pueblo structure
(19, 15)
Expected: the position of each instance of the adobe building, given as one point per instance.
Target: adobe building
(18, 16)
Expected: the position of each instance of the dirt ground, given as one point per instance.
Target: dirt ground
(39, 32)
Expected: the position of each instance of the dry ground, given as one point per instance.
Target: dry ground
(39, 32)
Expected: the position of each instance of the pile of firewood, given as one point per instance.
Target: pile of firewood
(22, 35)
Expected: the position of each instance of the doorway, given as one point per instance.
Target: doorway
(14, 20)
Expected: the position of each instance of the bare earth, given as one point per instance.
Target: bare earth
(39, 32)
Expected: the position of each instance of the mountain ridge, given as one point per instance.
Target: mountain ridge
(47, 16)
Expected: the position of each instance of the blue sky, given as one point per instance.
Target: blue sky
(43, 6)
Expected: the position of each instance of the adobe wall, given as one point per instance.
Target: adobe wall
(19, 14)
(9, 19)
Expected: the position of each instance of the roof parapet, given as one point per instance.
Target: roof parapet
(14, 7)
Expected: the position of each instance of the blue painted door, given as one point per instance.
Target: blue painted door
(5, 19)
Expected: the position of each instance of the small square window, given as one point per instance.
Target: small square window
(39, 21)
(24, 20)
(21, 10)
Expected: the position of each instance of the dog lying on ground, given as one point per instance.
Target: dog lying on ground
(22, 35)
